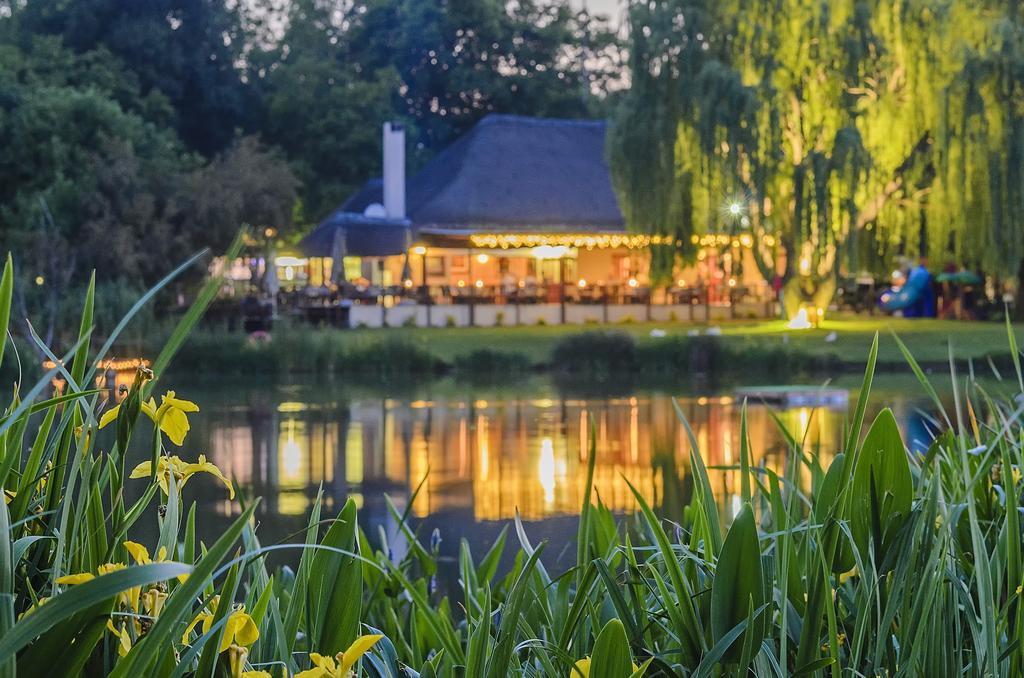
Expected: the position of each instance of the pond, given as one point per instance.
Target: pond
(480, 453)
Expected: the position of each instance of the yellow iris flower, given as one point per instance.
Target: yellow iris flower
(582, 668)
(340, 665)
(128, 598)
(182, 471)
(152, 599)
(124, 639)
(171, 416)
(239, 629)
(140, 554)
(42, 601)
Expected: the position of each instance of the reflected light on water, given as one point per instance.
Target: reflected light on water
(291, 461)
(546, 471)
(484, 459)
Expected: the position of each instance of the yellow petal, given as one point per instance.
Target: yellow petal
(191, 625)
(325, 663)
(175, 424)
(208, 622)
(246, 632)
(204, 466)
(229, 631)
(72, 579)
(315, 672)
(125, 644)
(581, 668)
(110, 415)
(142, 470)
(256, 674)
(138, 552)
(107, 568)
(171, 400)
(357, 649)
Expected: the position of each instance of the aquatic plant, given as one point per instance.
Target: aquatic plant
(882, 562)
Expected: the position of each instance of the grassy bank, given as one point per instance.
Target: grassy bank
(647, 350)
(881, 563)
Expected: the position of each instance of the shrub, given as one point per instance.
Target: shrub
(489, 362)
(594, 353)
(389, 358)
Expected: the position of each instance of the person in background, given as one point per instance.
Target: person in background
(777, 289)
(508, 285)
(252, 312)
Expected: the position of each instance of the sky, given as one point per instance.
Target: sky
(610, 8)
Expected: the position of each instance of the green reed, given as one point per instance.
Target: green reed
(886, 563)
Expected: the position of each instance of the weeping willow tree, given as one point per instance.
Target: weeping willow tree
(850, 131)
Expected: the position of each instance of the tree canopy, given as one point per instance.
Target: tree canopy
(138, 131)
(850, 132)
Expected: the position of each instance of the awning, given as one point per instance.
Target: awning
(363, 236)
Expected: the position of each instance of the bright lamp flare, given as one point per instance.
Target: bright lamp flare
(800, 321)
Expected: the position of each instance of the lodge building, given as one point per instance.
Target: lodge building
(515, 223)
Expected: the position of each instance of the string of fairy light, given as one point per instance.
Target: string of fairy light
(118, 365)
(505, 241)
(588, 241)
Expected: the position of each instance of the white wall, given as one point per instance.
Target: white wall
(491, 315)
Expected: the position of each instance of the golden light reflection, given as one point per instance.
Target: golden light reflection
(491, 458)
(546, 471)
(482, 444)
(291, 462)
(354, 453)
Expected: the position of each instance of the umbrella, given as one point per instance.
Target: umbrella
(270, 282)
(339, 248)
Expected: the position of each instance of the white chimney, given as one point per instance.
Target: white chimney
(394, 170)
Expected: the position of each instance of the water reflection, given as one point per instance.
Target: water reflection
(486, 456)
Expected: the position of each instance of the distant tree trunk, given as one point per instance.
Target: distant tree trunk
(1018, 301)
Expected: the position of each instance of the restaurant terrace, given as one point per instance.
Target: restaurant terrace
(515, 223)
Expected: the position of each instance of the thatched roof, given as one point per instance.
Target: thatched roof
(512, 173)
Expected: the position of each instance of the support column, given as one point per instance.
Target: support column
(427, 301)
(472, 288)
(561, 287)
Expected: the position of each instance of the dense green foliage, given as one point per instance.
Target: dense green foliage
(849, 132)
(337, 73)
(139, 130)
(873, 562)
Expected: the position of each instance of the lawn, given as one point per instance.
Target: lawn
(840, 344)
(928, 339)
